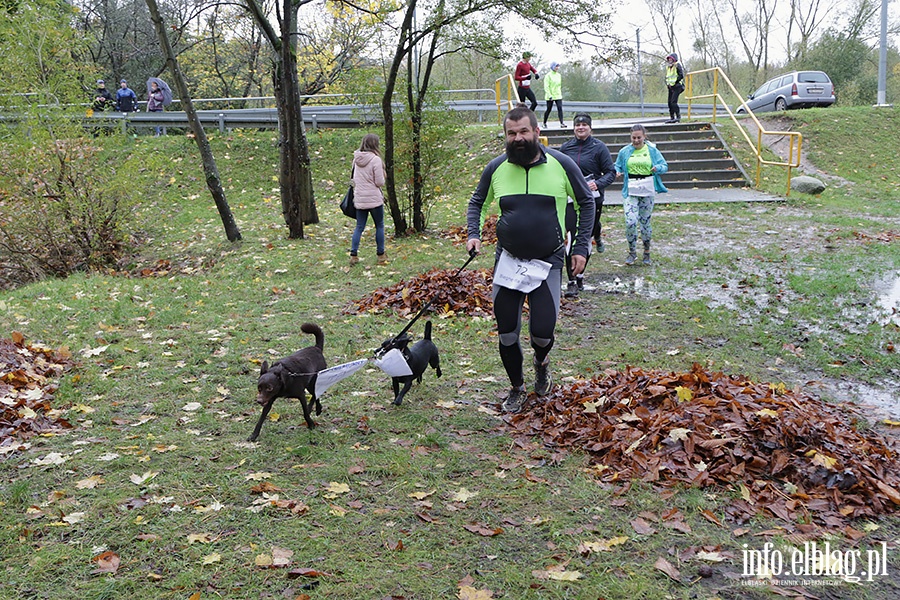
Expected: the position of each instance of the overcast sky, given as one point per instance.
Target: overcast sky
(632, 15)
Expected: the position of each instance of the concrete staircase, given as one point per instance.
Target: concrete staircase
(697, 155)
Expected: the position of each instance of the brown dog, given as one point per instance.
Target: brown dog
(292, 377)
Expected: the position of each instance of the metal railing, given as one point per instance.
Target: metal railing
(795, 139)
(512, 96)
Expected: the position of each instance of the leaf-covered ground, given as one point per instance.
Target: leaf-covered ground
(792, 456)
(29, 377)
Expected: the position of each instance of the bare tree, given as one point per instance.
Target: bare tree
(753, 29)
(425, 24)
(665, 16)
(806, 17)
(209, 163)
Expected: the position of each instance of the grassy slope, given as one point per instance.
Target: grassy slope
(199, 333)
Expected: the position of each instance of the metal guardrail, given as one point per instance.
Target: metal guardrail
(793, 136)
(335, 116)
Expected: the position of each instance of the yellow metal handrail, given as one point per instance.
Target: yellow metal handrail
(793, 136)
(512, 96)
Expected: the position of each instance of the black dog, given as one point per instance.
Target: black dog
(418, 357)
(292, 377)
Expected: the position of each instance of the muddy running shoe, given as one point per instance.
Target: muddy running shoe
(632, 256)
(571, 290)
(579, 281)
(647, 260)
(542, 379)
(515, 400)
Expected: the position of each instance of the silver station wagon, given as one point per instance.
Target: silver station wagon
(799, 89)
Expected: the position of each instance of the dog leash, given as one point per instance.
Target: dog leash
(390, 343)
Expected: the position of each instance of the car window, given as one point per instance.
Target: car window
(812, 77)
(761, 90)
(773, 85)
(787, 80)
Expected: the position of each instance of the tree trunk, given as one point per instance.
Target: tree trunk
(211, 172)
(390, 181)
(298, 203)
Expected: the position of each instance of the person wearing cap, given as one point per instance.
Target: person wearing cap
(102, 98)
(523, 76)
(553, 93)
(675, 83)
(126, 99)
(596, 164)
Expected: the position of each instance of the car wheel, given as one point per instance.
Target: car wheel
(780, 104)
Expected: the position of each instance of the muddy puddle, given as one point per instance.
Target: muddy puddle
(877, 402)
(756, 288)
(889, 299)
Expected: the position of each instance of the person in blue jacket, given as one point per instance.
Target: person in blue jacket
(641, 164)
(126, 99)
(596, 164)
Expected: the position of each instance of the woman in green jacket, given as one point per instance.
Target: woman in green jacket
(553, 93)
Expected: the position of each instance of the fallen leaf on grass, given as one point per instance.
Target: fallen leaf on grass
(107, 562)
(586, 548)
(394, 545)
(216, 506)
(642, 527)
(211, 558)
(667, 568)
(421, 495)
(710, 556)
(467, 592)
(306, 572)
(708, 514)
(483, 530)
(263, 560)
(203, 538)
(557, 573)
(139, 479)
(463, 495)
(89, 483)
(427, 518)
(264, 488)
(334, 489)
(281, 557)
(75, 517)
(54, 458)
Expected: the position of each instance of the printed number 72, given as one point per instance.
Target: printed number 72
(521, 269)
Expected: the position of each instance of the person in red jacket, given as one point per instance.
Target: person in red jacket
(523, 75)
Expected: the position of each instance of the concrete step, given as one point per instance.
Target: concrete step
(696, 155)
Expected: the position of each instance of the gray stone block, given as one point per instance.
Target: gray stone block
(807, 185)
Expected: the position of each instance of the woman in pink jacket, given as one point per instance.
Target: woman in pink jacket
(368, 179)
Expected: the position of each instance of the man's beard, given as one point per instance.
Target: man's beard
(522, 152)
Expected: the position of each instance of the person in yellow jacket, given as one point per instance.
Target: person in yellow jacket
(553, 93)
(675, 83)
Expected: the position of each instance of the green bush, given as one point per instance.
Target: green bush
(63, 208)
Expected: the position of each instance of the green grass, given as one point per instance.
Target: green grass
(731, 285)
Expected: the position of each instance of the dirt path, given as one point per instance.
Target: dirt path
(780, 145)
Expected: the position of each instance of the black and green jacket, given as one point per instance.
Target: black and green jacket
(532, 204)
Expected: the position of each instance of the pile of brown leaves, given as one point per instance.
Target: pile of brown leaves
(796, 457)
(460, 235)
(28, 380)
(469, 293)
